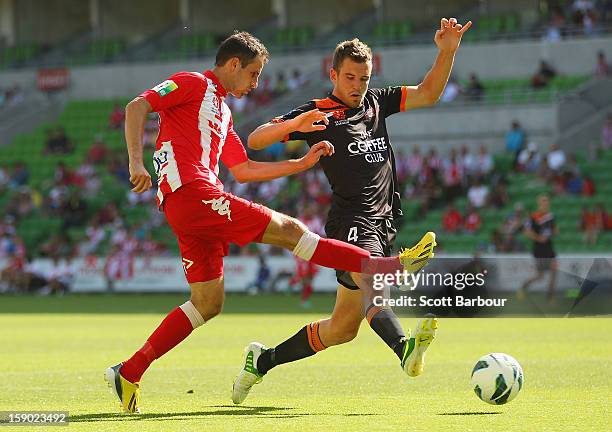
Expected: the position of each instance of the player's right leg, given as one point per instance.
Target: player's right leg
(288, 232)
(409, 349)
(521, 294)
(124, 378)
(552, 281)
(340, 328)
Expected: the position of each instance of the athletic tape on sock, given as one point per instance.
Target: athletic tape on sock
(307, 245)
(195, 318)
(314, 340)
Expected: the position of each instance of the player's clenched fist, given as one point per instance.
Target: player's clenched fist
(320, 149)
(305, 122)
(140, 178)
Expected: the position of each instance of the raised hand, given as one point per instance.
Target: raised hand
(449, 36)
(305, 122)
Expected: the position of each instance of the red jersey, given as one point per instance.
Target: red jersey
(195, 131)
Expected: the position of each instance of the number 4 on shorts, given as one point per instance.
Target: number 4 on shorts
(352, 236)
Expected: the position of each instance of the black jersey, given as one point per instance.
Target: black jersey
(362, 170)
(543, 224)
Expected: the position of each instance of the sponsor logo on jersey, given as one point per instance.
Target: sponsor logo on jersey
(339, 115)
(166, 87)
(372, 149)
(221, 205)
(160, 159)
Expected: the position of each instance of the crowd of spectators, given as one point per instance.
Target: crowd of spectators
(428, 178)
(100, 228)
(585, 17)
(593, 221)
(269, 89)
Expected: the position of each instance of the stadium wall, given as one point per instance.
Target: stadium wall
(227, 15)
(405, 65)
(49, 21)
(445, 124)
(140, 18)
(505, 273)
(327, 15)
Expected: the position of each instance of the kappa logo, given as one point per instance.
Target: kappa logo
(221, 205)
(186, 264)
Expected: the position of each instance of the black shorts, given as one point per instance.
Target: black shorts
(374, 235)
(544, 256)
(544, 264)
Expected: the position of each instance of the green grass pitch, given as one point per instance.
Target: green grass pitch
(53, 352)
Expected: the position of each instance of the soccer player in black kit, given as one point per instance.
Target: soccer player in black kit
(365, 200)
(541, 228)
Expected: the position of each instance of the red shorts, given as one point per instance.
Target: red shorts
(205, 220)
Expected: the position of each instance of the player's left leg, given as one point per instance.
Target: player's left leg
(540, 269)
(340, 328)
(552, 281)
(205, 303)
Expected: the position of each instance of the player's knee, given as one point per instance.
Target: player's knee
(208, 308)
(292, 230)
(343, 332)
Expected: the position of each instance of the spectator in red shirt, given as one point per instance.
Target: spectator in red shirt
(588, 186)
(98, 152)
(472, 220)
(117, 117)
(453, 176)
(592, 224)
(63, 175)
(605, 217)
(452, 219)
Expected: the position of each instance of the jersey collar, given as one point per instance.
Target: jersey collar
(337, 99)
(209, 74)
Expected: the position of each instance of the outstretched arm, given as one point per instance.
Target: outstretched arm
(135, 117)
(273, 132)
(447, 40)
(253, 171)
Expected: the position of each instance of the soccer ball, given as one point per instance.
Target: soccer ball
(497, 378)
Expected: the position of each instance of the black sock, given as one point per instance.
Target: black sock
(386, 325)
(295, 348)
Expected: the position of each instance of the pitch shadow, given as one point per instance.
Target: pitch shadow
(234, 411)
(470, 413)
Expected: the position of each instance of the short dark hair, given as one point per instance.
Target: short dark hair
(243, 45)
(353, 49)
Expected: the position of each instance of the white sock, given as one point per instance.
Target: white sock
(195, 318)
(307, 245)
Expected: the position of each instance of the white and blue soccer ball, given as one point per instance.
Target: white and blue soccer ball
(497, 378)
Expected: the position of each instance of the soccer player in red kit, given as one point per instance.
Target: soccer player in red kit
(196, 132)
